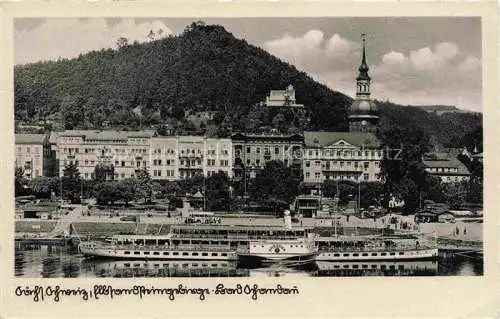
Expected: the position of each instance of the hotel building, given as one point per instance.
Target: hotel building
(33, 155)
(253, 151)
(126, 151)
(341, 156)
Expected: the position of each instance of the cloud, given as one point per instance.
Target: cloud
(313, 52)
(435, 74)
(67, 38)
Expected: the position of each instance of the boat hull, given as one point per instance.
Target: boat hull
(157, 254)
(379, 255)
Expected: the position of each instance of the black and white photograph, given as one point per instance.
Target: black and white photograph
(248, 147)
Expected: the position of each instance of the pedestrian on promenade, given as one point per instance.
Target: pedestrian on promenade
(465, 231)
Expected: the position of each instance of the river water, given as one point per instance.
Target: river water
(59, 262)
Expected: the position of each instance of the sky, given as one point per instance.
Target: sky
(417, 61)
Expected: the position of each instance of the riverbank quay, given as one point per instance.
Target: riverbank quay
(446, 234)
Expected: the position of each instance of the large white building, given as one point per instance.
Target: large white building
(165, 158)
(126, 151)
(32, 154)
(343, 156)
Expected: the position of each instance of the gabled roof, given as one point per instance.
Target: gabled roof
(444, 160)
(322, 139)
(30, 138)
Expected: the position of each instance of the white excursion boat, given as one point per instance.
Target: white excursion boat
(375, 248)
(166, 247)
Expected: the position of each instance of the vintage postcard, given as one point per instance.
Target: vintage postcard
(249, 160)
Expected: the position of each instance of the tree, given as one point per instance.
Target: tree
(121, 42)
(455, 194)
(402, 169)
(107, 192)
(144, 185)
(42, 187)
(71, 183)
(103, 172)
(218, 192)
(19, 181)
(275, 185)
(127, 190)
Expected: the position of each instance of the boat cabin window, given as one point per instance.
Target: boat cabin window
(214, 265)
(137, 252)
(175, 253)
(392, 254)
(156, 253)
(204, 254)
(401, 253)
(383, 254)
(355, 255)
(166, 253)
(146, 253)
(346, 255)
(336, 255)
(224, 254)
(126, 265)
(194, 254)
(127, 253)
(214, 254)
(364, 254)
(374, 254)
(185, 254)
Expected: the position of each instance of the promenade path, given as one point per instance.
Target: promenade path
(473, 231)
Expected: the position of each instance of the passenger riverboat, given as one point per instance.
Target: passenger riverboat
(375, 248)
(166, 247)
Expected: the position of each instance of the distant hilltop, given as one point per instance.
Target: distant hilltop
(441, 109)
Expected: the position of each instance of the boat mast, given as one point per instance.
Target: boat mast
(204, 196)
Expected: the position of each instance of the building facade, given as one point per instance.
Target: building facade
(446, 167)
(283, 98)
(126, 151)
(342, 156)
(33, 155)
(199, 155)
(253, 151)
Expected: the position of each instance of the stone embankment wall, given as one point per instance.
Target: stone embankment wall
(92, 228)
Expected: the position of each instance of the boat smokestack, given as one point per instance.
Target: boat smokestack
(288, 219)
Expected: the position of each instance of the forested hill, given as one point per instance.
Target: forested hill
(204, 69)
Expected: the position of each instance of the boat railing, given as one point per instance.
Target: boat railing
(171, 247)
(375, 248)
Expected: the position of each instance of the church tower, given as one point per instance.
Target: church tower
(363, 113)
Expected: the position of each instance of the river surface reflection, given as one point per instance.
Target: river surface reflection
(60, 262)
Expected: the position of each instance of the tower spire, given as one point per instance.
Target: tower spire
(363, 68)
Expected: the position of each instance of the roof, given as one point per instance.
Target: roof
(30, 138)
(108, 135)
(445, 160)
(286, 137)
(322, 139)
